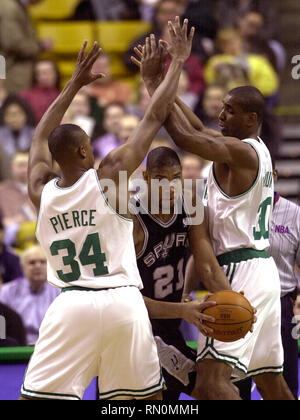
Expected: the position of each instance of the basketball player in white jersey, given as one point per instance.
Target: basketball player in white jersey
(99, 325)
(239, 203)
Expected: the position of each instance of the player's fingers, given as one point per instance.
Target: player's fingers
(207, 304)
(207, 296)
(94, 57)
(208, 318)
(171, 30)
(135, 61)
(153, 44)
(191, 34)
(92, 51)
(81, 52)
(147, 48)
(184, 28)
(139, 52)
(97, 76)
(177, 26)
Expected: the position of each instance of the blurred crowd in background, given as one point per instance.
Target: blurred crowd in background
(236, 43)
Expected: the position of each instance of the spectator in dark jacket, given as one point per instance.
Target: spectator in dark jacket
(10, 267)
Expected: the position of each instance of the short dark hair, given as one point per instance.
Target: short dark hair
(250, 100)
(55, 68)
(13, 99)
(162, 156)
(64, 138)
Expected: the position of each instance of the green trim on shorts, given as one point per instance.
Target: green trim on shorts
(225, 358)
(44, 395)
(276, 370)
(160, 386)
(239, 255)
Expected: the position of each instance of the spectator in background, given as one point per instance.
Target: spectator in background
(16, 126)
(199, 15)
(210, 106)
(139, 107)
(233, 67)
(14, 328)
(15, 205)
(107, 90)
(113, 114)
(104, 10)
(79, 113)
(195, 168)
(128, 124)
(31, 295)
(45, 88)
(165, 10)
(250, 24)
(10, 267)
(185, 94)
(19, 43)
(227, 12)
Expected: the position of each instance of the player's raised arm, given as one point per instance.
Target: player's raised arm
(40, 159)
(189, 133)
(130, 155)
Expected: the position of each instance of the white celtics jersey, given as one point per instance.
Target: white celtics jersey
(86, 243)
(242, 221)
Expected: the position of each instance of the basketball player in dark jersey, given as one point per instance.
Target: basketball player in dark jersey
(164, 243)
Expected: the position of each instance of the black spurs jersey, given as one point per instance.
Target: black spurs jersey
(162, 261)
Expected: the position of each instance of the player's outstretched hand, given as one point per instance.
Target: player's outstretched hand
(83, 74)
(181, 42)
(192, 313)
(151, 59)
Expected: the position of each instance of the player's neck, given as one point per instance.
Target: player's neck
(70, 177)
(165, 218)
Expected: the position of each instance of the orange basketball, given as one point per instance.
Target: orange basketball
(233, 316)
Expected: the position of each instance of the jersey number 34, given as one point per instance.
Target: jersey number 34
(90, 254)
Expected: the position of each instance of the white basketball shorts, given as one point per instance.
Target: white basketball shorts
(88, 333)
(254, 273)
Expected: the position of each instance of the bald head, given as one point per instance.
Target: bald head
(69, 140)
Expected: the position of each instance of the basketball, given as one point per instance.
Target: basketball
(233, 316)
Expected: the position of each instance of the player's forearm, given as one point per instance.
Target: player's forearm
(163, 310)
(51, 119)
(213, 278)
(163, 98)
(153, 84)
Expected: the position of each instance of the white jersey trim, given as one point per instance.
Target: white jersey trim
(250, 188)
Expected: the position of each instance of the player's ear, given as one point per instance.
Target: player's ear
(275, 175)
(252, 119)
(82, 151)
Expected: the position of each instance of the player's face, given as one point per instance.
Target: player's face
(89, 152)
(167, 196)
(232, 118)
